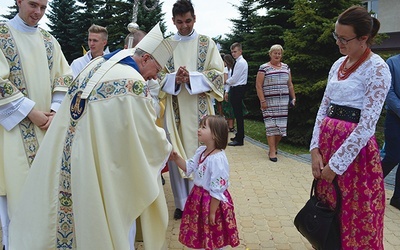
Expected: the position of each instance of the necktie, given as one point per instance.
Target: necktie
(233, 68)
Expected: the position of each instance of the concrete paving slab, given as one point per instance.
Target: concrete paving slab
(267, 197)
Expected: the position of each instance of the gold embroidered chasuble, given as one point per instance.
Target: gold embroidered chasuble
(184, 111)
(31, 65)
(100, 170)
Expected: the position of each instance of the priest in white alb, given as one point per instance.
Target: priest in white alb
(34, 76)
(194, 77)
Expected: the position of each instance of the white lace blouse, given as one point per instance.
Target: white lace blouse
(212, 174)
(365, 89)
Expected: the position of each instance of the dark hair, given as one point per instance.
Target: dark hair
(361, 21)
(219, 129)
(229, 60)
(182, 7)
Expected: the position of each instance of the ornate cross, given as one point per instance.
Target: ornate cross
(133, 26)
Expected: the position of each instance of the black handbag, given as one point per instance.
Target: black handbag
(318, 223)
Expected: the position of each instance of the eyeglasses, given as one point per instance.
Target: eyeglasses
(341, 39)
(159, 68)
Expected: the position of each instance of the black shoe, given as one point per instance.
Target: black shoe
(395, 202)
(162, 180)
(235, 143)
(233, 138)
(273, 159)
(178, 214)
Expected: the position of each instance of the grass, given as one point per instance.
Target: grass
(256, 130)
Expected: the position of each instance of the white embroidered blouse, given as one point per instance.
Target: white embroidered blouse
(212, 174)
(365, 89)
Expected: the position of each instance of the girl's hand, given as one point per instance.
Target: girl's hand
(211, 219)
(173, 156)
(213, 209)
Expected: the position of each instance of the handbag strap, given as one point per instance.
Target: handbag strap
(338, 193)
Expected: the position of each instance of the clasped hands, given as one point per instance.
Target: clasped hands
(182, 76)
(41, 119)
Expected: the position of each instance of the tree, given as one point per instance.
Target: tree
(122, 15)
(304, 28)
(13, 10)
(61, 19)
(268, 30)
(257, 33)
(86, 14)
(310, 52)
(241, 26)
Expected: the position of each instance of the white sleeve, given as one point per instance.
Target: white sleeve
(219, 180)
(169, 86)
(376, 88)
(58, 96)
(11, 114)
(198, 84)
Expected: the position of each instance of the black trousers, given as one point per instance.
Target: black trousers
(236, 99)
(392, 153)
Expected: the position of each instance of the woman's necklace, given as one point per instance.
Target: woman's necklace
(205, 157)
(343, 72)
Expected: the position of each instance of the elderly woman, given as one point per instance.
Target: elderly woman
(274, 88)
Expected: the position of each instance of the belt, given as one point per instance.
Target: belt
(242, 85)
(344, 113)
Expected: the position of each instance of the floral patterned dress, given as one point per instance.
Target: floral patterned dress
(211, 175)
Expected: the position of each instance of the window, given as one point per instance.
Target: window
(371, 6)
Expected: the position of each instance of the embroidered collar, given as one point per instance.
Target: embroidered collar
(19, 24)
(127, 60)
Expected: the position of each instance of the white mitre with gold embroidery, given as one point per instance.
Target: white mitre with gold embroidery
(155, 44)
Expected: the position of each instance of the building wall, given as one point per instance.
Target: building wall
(389, 16)
(387, 12)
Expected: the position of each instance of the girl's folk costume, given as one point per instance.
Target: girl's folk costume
(211, 174)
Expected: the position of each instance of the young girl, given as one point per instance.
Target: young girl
(208, 220)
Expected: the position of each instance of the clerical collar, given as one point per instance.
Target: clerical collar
(19, 24)
(191, 33)
(127, 60)
(191, 36)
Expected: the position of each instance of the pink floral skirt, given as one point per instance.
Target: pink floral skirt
(197, 233)
(361, 185)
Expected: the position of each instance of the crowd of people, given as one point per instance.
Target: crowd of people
(95, 166)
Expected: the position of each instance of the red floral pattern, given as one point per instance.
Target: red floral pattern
(195, 230)
(362, 187)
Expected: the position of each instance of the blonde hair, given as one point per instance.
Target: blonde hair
(99, 30)
(275, 47)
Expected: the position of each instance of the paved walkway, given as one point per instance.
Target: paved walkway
(267, 197)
